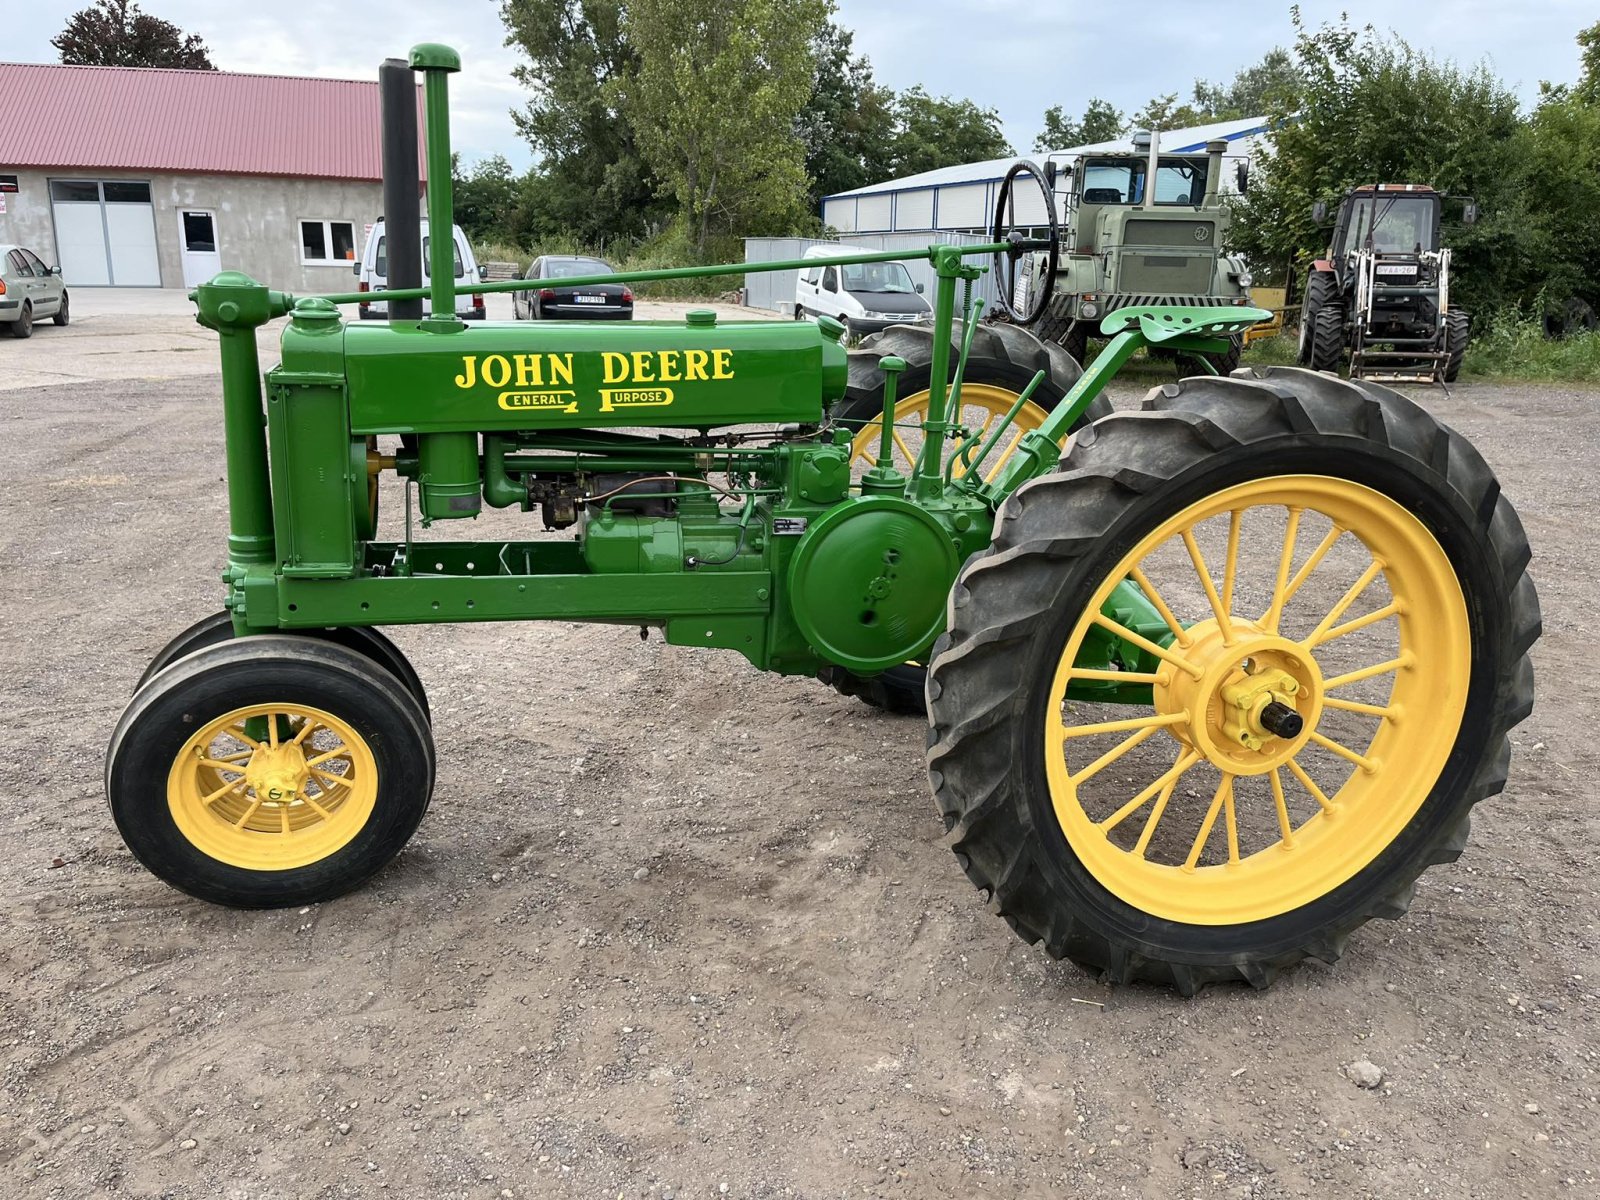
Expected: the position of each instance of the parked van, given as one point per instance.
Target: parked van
(867, 297)
(373, 273)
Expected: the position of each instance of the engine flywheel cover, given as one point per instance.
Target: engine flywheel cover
(869, 580)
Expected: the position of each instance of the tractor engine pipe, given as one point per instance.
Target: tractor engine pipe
(402, 185)
(1214, 151)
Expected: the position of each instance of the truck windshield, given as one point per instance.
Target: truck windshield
(877, 277)
(1405, 224)
(1179, 181)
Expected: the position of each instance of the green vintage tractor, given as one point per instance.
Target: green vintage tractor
(1208, 684)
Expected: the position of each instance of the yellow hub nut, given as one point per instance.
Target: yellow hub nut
(272, 787)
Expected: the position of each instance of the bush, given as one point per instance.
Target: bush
(1512, 345)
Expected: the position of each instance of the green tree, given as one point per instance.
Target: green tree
(1375, 109)
(595, 184)
(937, 131)
(116, 33)
(847, 124)
(1274, 82)
(487, 200)
(712, 104)
(1101, 122)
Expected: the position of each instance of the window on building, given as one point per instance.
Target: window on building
(327, 243)
(121, 191)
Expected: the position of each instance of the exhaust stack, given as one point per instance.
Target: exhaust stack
(402, 185)
(1214, 151)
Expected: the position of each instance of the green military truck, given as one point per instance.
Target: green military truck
(1126, 245)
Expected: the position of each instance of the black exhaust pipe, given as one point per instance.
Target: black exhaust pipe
(402, 184)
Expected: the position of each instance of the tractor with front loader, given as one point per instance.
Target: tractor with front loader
(1208, 684)
(1129, 245)
(1380, 299)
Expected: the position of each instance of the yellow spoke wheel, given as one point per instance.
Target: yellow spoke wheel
(982, 405)
(1232, 678)
(268, 770)
(1228, 668)
(292, 796)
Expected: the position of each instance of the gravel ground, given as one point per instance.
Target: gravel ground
(677, 928)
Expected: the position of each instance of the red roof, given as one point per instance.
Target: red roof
(205, 122)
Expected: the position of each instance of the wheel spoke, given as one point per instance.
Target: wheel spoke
(1148, 677)
(283, 818)
(1223, 794)
(239, 733)
(329, 778)
(222, 791)
(1343, 751)
(1142, 846)
(1310, 785)
(1157, 720)
(1200, 569)
(1274, 613)
(1388, 610)
(222, 764)
(1171, 776)
(1111, 755)
(1230, 566)
(1282, 806)
(1383, 668)
(1162, 652)
(272, 730)
(1011, 448)
(1231, 822)
(306, 730)
(1320, 633)
(1311, 564)
(340, 751)
(248, 813)
(316, 808)
(911, 459)
(1181, 635)
(1372, 710)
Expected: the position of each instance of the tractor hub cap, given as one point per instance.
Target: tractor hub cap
(1249, 701)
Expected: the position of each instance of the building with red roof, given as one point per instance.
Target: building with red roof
(148, 177)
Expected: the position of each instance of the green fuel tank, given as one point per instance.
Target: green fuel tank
(699, 373)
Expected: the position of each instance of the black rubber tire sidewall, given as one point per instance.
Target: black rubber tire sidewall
(63, 316)
(22, 327)
(1405, 480)
(162, 716)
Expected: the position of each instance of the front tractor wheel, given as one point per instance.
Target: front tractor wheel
(1330, 645)
(269, 771)
(1004, 360)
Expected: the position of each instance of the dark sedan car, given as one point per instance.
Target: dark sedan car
(556, 302)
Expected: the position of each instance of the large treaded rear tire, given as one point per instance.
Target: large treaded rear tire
(1321, 287)
(1457, 333)
(1003, 355)
(1059, 535)
(1327, 338)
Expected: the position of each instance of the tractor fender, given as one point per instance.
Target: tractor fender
(1322, 264)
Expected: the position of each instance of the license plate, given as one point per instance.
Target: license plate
(590, 299)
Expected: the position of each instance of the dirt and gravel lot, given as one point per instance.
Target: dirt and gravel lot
(677, 928)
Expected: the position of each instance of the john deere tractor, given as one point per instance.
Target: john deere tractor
(1128, 244)
(1208, 684)
(1381, 298)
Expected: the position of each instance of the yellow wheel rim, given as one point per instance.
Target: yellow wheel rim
(982, 404)
(285, 799)
(1314, 593)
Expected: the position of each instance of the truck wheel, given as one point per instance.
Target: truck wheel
(1004, 360)
(1457, 333)
(1327, 338)
(1321, 287)
(364, 640)
(1348, 621)
(269, 771)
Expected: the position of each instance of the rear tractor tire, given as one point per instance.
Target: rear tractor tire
(269, 771)
(1003, 362)
(1457, 333)
(1340, 652)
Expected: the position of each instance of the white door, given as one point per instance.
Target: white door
(198, 230)
(131, 231)
(80, 233)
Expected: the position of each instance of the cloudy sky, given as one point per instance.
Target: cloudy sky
(1017, 56)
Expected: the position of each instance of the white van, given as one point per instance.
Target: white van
(866, 297)
(373, 273)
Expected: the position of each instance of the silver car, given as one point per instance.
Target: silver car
(29, 290)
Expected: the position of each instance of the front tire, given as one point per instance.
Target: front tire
(1327, 338)
(1457, 333)
(269, 771)
(1012, 754)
